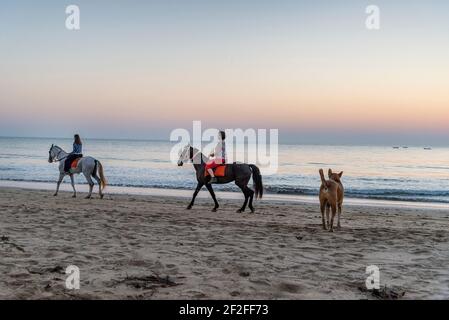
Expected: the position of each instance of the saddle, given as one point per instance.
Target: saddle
(219, 171)
(74, 163)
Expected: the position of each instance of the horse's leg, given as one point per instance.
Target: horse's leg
(97, 178)
(198, 188)
(99, 186)
(61, 177)
(212, 193)
(72, 181)
(242, 187)
(251, 196)
(91, 185)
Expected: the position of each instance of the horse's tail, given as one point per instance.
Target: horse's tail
(103, 180)
(257, 178)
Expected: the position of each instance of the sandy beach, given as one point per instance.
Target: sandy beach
(147, 247)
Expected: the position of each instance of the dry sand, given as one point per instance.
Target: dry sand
(143, 247)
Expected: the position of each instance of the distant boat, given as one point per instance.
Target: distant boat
(395, 147)
(405, 147)
(427, 148)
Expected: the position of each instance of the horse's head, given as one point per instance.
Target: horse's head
(50, 154)
(53, 153)
(185, 154)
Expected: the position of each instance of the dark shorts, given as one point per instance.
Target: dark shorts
(69, 160)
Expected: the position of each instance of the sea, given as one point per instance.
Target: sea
(406, 174)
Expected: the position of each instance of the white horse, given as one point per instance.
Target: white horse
(87, 165)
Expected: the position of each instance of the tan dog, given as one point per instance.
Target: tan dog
(331, 197)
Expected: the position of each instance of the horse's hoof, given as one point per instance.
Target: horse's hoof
(214, 210)
(189, 208)
(88, 197)
(239, 211)
(101, 196)
(55, 195)
(252, 210)
(331, 230)
(74, 196)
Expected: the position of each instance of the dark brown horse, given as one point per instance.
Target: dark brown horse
(238, 172)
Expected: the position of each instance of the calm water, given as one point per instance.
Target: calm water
(412, 174)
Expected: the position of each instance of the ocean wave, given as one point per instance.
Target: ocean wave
(7, 169)
(21, 156)
(378, 192)
(148, 160)
(440, 196)
(436, 196)
(377, 179)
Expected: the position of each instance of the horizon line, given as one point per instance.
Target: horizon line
(400, 145)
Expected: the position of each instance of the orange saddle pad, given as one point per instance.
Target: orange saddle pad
(75, 163)
(218, 171)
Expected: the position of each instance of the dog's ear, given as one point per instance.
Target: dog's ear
(340, 174)
(329, 173)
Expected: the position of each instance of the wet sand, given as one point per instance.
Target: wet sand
(148, 247)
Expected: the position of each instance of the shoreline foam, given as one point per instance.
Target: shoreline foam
(183, 193)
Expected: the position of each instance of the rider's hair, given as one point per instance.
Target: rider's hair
(77, 139)
(222, 135)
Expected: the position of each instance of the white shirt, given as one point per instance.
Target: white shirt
(220, 151)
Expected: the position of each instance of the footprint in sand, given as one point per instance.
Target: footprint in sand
(226, 271)
(289, 287)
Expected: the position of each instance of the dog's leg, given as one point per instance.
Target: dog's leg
(328, 206)
(322, 208)
(339, 214)
(334, 211)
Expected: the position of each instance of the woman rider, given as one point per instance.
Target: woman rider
(219, 156)
(76, 153)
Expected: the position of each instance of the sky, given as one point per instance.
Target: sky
(139, 69)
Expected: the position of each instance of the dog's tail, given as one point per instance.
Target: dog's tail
(323, 180)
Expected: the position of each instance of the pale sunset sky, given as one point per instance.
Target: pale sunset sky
(138, 69)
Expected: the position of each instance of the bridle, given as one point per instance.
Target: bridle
(55, 158)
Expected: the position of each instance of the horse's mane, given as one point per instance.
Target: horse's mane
(58, 147)
(197, 151)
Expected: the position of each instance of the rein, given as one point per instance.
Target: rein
(56, 157)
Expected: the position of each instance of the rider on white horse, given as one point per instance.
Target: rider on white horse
(87, 165)
(76, 153)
